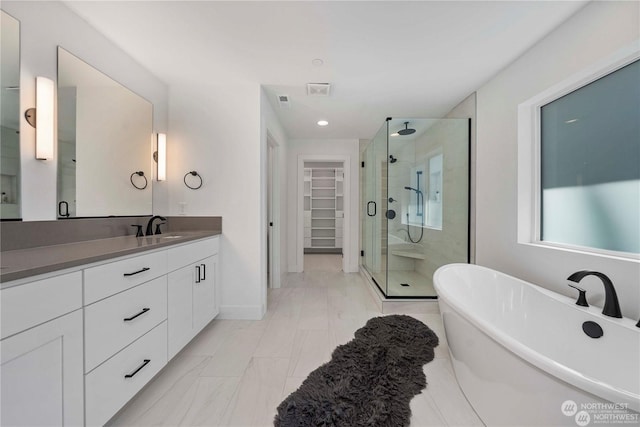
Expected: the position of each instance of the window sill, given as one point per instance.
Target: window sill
(620, 256)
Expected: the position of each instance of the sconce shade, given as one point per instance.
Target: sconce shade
(162, 157)
(45, 97)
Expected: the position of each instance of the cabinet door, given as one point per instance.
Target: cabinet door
(42, 375)
(205, 303)
(180, 308)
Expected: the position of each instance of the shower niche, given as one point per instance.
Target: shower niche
(415, 203)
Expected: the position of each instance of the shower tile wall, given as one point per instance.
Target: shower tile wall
(449, 244)
(399, 177)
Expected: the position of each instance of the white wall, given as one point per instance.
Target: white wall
(43, 27)
(595, 32)
(327, 147)
(215, 130)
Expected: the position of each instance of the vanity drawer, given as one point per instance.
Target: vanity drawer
(28, 305)
(113, 323)
(108, 279)
(107, 389)
(192, 252)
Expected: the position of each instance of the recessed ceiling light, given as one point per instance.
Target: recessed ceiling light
(322, 122)
(571, 121)
(395, 134)
(317, 62)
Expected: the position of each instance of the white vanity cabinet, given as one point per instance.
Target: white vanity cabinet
(77, 347)
(192, 298)
(41, 353)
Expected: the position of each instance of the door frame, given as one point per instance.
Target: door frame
(346, 222)
(273, 214)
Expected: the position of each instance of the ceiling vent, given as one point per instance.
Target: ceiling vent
(318, 89)
(283, 101)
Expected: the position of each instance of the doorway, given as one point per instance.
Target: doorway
(323, 210)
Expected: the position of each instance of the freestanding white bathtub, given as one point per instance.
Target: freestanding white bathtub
(521, 357)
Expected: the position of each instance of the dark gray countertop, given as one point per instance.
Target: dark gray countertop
(23, 263)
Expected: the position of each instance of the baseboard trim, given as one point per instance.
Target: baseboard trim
(241, 312)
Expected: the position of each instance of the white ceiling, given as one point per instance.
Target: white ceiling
(383, 58)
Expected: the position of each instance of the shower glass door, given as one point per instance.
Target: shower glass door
(428, 181)
(375, 200)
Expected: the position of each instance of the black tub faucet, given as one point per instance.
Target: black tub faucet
(611, 306)
(150, 224)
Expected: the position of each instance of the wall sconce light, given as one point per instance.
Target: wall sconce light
(160, 156)
(42, 118)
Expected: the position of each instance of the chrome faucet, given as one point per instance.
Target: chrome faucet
(150, 225)
(611, 306)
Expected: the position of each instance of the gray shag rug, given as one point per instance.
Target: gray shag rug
(369, 381)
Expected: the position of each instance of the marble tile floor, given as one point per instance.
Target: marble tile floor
(236, 372)
(322, 262)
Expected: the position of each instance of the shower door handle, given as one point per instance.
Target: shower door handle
(66, 210)
(369, 210)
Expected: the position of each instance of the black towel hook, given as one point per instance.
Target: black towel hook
(139, 173)
(193, 173)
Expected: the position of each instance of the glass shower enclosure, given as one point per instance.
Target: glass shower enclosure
(415, 187)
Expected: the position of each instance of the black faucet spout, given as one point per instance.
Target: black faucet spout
(149, 231)
(611, 305)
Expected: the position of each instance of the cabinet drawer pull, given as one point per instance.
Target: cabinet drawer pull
(144, 363)
(198, 274)
(144, 310)
(137, 272)
(204, 271)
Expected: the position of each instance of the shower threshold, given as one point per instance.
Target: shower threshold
(400, 304)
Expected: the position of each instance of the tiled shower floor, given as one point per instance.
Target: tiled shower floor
(419, 285)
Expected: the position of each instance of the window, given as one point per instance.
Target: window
(579, 161)
(590, 164)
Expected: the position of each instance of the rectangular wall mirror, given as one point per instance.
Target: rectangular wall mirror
(104, 144)
(10, 117)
